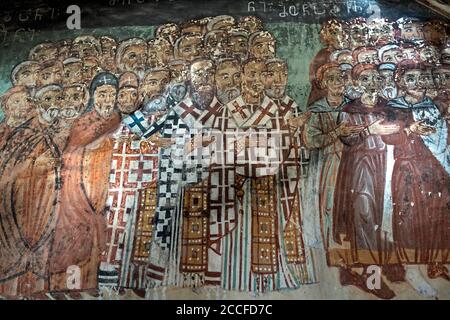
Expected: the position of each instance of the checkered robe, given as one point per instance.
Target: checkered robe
(274, 258)
(132, 170)
(177, 172)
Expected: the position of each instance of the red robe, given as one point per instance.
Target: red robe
(81, 226)
(421, 200)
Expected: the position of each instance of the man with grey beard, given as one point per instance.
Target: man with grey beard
(183, 174)
(389, 90)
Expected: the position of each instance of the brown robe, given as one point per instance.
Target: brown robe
(29, 201)
(359, 193)
(5, 131)
(421, 200)
(81, 226)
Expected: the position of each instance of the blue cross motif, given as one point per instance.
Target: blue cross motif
(104, 80)
(136, 119)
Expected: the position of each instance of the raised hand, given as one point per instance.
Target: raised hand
(161, 142)
(383, 129)
(346, 129)
(300, 121)
(420, 128)
(197, 141)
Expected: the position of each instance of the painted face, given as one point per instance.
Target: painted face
(442, 79)
(154, 83)
(412, 31)
(263, 47)
(368, 56)
(275, 80)
(190, 47)
(89, 70)
(434, 33)
(74, 102)
(333, 81)
(228, 81)
(409, 53)
(426, 81)
(105, 100)
(237, 47)
(64, 50)
(216, 45)
(202, 75)
(351, 90)
(370, 81)
(127, 99)
(45, 53)
(337, 38)
(27, 75)
(49, 105)
(109, 47)
(389, 88)
(388, 77)
(18, 109)
(412, 84)
(381, 32)
(203, 82)
(72, 73)
(392, 56)
(251, 81)
(445, 55)
(134, 58)
(359, 35)
(84, 49)
(160, 53)
(429, 54)
(50, 75)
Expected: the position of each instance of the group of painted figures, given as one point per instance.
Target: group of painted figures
(179, 160)
(379, 108)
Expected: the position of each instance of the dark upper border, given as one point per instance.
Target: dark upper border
(51, 15)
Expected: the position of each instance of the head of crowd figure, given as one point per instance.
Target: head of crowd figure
(374, 50)
(223, 57)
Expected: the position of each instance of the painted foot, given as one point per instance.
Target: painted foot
(438, 270)
(394, 272)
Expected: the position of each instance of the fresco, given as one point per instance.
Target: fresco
(219, 153)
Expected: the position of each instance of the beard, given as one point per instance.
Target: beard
(228, 94)
(155, 106)
(47, 115)
(353, 92)
(203, 96)
(177, 91)
(276, 92)
(128, 108)
(390, 92)
(106, 111)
